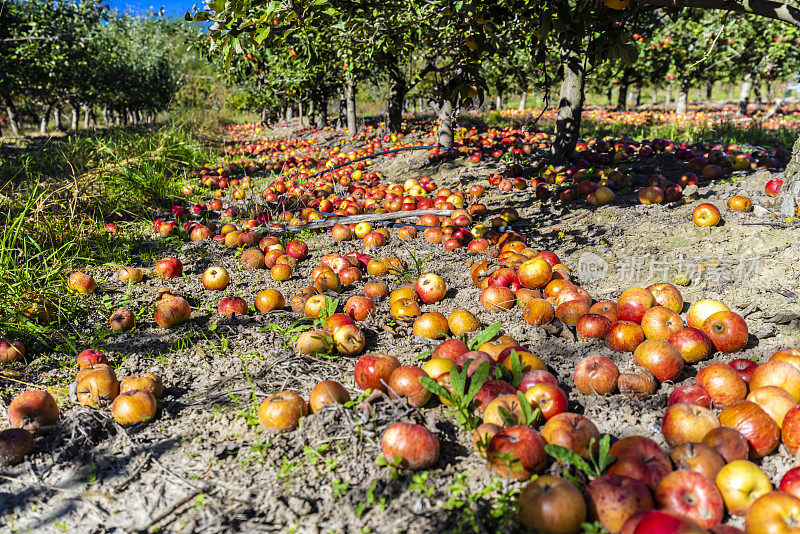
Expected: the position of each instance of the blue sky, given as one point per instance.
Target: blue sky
(174, 8)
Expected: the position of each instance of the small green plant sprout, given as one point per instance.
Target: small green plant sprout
(419, 483)
(487, 334)
(599, 459)
(394, 465)
(461, 397)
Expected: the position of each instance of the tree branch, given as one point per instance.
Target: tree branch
(764, 8)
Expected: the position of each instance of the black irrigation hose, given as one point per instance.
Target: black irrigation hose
(392, 151)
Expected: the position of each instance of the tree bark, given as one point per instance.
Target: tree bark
(744, 94)
(770, 93)
(74, 117)
(709, 90)
(622, 96)
(757, 93)
(87, 114)
(668, 96)
(637, 92)
(320, 109)
(57, 118)
(350, 105)
(444, 112)
(522, 102)
(570, 104)
(300, 115)
(44, 119)
(289, 112)
(610, 96)
(655, 95)
(680, 103)
(397, 94)
(13, 121)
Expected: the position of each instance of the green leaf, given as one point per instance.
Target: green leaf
(435, 388)
(476, 381)
(568, 456)
(487, 334)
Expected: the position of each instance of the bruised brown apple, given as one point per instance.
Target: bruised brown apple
(327, 392)
(11, 351)
(282, 411)
(134, 406)
(122, 320)
(15, 444)
(32, 410)
(148, 381)
(97, 386)
(172, 312)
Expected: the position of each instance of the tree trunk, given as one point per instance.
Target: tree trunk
(668, 96)
(788, 199)
(320, 109)
(498, 102)
(300, 115)
(610, 96)
(289, 112)
(44, 119)
(709, 90)
(744, 94)
(105, 115)
(655, 95)
(522, 102)
(264, 115)
(57, 118)
(731, 89)
(637, 91)
(770, 92)
(444, 112)
(570, 104)
(74, 117)
(350, 105)
(11, 111)
(680, 103)
(622, 96)
(757, 93)
(397, 94)
(87, 114)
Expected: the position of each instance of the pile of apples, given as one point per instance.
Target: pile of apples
(134, 400)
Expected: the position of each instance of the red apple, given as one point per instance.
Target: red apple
(168, 268)
(692, 344)
(552, 505)
(431, 288)
(633, 303)
(32, 410)
(413, 445)
(641, 458)
(726, 330)
(744, 367)
(405, 382)
(689, 394)
(691, 495)
(596, 375)
(373, 370)
(722, 383)
(614, 498)
(660, 358)
(761, 432)
(516, 452)
(624, 336)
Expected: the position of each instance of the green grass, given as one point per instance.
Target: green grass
(55, 200)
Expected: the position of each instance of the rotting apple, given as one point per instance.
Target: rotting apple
(761, 432)
(722, 383)
(641, 458)
(572, 431)
(614, 498)
(325, 393)
(660, 358)
(596, 375)
(282, 411)
(552, 505)
(729, 442)
(15, 444)
(32, 410)
(698, 457)
(134, 406)
(690, 394)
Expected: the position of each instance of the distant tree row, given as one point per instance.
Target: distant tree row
(295, 56)
(64, 58)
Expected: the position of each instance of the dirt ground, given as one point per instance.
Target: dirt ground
(204, 465)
